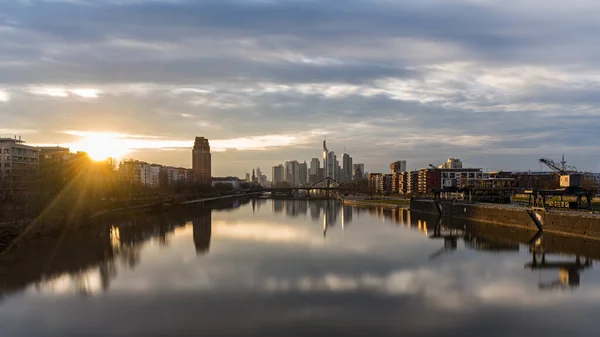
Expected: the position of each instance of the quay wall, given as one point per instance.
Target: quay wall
(578, 224)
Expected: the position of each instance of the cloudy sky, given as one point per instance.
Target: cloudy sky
(496, 83)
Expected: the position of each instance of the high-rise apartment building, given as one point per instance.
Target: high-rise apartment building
(452, 163)
(398, 166)
(278, 174)
(19, 165)
(201, 161)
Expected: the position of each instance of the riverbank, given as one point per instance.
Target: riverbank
(386, 203)
(569, 223)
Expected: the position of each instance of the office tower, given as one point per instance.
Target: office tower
(332, 165)
(201, 161)
(278, 174)
(358, 171)
(313, 173)
(347, 167)
(303, 173)
(325, 160)
(398, 166)
(292, 172)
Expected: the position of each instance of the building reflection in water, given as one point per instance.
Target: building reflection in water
(202, 228)
(91, 258)
(278, 205)
(569, 272)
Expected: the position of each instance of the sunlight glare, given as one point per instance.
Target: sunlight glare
(101, 146)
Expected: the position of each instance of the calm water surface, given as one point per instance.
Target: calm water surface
(298, 268)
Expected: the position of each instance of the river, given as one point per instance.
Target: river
(298, 268)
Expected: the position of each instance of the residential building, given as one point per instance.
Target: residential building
(384, 184)
(403, 187)
(452, 163)
(19, 165)
(412, 182)
(347, 167)
(278, 174)
(233, 181)
(373, 181)
(428, 180)
(201, 160)
(139, 173)
(150, 175)
(130, 172)
(175, 175)
(396, 179)
(398, 166)
(55, 162)
(460, 177)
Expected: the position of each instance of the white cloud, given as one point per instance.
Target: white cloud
(49, 91)
(86, 93)
(4, 96)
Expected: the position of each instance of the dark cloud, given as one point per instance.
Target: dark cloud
(419, 80)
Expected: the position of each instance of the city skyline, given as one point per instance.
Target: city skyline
(500, 90)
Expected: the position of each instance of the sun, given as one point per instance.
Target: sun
(101, 146)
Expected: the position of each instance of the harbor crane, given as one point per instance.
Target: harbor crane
(571, 181)
(569, 175)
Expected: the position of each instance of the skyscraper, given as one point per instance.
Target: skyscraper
(303, 173)
(201, 163)
(332, 165)
(313, 173)
(358, 171)
(325, 160)
(292, 172)
(278, 174)
(347, 167)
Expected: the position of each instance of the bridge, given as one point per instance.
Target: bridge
(326, 185)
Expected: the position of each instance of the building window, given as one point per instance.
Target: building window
(471, 175)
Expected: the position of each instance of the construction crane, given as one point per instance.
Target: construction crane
(562, 169)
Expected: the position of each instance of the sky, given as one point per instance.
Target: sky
(498, 84)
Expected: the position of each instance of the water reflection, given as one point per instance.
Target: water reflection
(202, 225)
(384, 270)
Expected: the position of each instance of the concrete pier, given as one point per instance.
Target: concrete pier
(571, 223)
